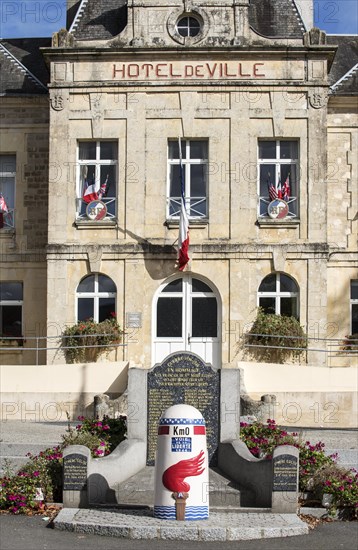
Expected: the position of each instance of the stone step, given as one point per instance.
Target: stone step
(139, 490)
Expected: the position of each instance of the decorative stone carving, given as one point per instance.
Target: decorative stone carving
(318, 99)
(315, 37)
(57, 102)
(63, 39)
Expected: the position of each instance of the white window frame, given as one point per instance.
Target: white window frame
(98, 163)
(13, 303)
(95, 296)
(278, 162)
(190, 203)
(277, 294)
(9, 216)
(188, 26)
(352, 301)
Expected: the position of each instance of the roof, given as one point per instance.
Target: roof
(99, 19)
(24, 66)
(343, 76)
(105, 19)
(276, 19)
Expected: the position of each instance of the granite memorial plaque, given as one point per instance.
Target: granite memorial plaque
(285, 473)
(74, 472)
(183, 378)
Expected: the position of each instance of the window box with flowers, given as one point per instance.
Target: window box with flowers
(85, 341)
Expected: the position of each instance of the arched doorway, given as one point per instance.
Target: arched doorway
(187, 317)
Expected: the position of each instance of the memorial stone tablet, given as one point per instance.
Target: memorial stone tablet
(74, 472)
(285, 473)
(183, 378)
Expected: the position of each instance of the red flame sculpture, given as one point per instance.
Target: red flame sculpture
(173, 477)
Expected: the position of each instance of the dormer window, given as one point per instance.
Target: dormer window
(188, 26)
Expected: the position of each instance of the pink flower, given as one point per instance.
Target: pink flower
(36, 474)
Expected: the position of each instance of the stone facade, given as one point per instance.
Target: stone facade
(231, 86)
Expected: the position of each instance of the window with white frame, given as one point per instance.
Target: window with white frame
(96, 179)
(7, 191)
(11, 302)
(195, 175)
(188, 25)
(278, 293)
(96, 298)
(278, 176)
(354, 306)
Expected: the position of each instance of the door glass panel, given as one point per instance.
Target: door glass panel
(169, 317)
(85, 309)
(204, 317)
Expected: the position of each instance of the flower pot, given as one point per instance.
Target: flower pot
(327, 500)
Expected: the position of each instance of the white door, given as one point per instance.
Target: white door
(187, 318)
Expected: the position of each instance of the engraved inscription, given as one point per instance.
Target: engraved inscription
(74, 472)
(183, 378)
(285, 473)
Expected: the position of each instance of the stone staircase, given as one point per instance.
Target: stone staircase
(139, 490)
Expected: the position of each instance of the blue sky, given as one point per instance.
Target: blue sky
(26, 18)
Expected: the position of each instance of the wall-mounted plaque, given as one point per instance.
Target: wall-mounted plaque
(285, 468)
(133, 319)
(74, 472)
(183, 378)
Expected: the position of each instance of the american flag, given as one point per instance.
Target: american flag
(272, 191)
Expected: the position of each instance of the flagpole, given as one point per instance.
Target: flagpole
(183, 240)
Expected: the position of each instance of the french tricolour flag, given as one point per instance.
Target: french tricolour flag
(183, 241)
(90, 191)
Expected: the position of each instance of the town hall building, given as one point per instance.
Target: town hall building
(264, 108)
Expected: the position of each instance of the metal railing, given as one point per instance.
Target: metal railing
(59, 347)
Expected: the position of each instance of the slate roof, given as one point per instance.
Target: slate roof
(24, 66)
(276, 18)
(105, 19)
(343, 76)
(99, 19)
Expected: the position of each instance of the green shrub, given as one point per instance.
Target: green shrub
(337, 481)
(44, 471)
(100, 436)
(274, 337)
(318, 472)
(350, 343)
(87, 340)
